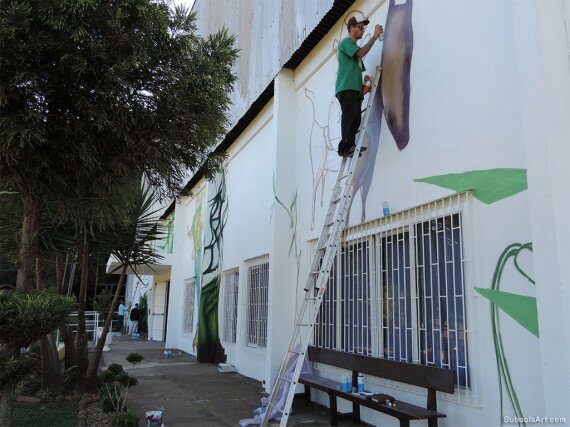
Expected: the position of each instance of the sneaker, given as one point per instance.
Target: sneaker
(350, 152)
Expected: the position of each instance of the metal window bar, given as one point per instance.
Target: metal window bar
(189, 298)
(397, 289)
(231, 284)
(257, 308)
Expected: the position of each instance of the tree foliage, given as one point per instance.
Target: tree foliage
(27, 317)
(97, 89)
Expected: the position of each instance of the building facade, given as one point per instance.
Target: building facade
(457, 239)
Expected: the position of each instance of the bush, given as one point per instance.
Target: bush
(70, 377)
(110, 398)
(29, 386)
(124, 419)
(135, 358)
(27, 317)
(115, 368)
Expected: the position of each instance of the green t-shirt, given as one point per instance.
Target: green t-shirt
(350, 67)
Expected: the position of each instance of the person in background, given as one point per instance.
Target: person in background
(348, 89)
(134, 317)
(121, 312)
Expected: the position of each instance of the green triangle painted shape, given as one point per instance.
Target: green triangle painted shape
(490, 185)
(521, 308)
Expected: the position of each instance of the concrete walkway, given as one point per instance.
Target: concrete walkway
(196, 394)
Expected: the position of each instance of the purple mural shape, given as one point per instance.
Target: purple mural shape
(392, 98)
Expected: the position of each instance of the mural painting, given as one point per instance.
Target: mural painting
(293, 247)
(195, 233)
(322, 149)
(168, 243)
(209, 347)
(392, 99)
(490, 186)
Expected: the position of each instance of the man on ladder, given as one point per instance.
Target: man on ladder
(349, 92)
(348, 88)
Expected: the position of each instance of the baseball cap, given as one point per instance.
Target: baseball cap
(352, 22)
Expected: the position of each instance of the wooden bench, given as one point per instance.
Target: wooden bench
(434, 379)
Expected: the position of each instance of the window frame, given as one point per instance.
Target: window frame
(188, 316)
(230, 305)
(257, 302)
(407, 224)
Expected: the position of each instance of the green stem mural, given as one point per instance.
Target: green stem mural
(209, 346)
(490, 186)
(522, 309)
(292, 213)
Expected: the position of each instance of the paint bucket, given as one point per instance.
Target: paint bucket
(153, 418)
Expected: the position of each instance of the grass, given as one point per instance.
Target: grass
(62, 414)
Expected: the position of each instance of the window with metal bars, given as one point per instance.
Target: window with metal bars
(231, 283)
(189, 298)
(257, 287)
(397, 290)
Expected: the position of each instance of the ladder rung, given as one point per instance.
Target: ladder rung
(274, 407)
(287, 380)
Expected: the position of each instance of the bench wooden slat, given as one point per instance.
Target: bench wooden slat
(402, 409)
(423, 376)
(318, 382)
(427, 377)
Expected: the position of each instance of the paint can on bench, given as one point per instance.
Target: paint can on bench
(360, 383)
(344, 384)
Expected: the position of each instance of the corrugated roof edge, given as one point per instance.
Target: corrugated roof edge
(338, 9)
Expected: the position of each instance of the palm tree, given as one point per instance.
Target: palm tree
(131, 243)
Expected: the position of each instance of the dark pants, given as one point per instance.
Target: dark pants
(350, 104)
(120, 323)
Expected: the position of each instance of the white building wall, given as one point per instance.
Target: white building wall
(464, 115)
(468, 111)
(247, 234)
(184, 268)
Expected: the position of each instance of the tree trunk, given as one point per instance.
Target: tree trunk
(39, 284)
(65, 334)
(70, 348)
(7, 397)
(28, 245)
(58, 273)
(51, 373)
(82, 353)
(91, 375)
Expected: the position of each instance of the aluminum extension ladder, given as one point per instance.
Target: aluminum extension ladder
(318, 277)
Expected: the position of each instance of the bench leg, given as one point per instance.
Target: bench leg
(356, 412)
(404, 423)
(307, 393)
(334, 413)
(432, 422)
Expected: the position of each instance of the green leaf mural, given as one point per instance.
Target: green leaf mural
(208, 337)
(210, 349)
(490, 185)
(521, 308)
